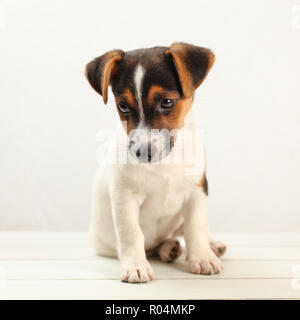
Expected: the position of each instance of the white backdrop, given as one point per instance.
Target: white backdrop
(249, 105)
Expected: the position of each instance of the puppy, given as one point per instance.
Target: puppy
(139, 206)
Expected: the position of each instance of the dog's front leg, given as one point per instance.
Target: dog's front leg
(201, 258)
(130, 238)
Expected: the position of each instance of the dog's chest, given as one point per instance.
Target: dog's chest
(165, 200)
(160, 209)
(161, 191)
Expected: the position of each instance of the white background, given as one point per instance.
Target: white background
(249, 105)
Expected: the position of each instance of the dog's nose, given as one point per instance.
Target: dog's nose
(146, 153)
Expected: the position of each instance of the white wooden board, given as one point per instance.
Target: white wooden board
(62, 265)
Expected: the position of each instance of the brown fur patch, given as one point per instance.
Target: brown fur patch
(108, 71)
(101, 70)
(178, 54)
(211, 61)
(204, 184)
(154, 90)
(192, 64)
(174, 120)
(128, 96)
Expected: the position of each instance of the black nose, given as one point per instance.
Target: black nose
(145, 153)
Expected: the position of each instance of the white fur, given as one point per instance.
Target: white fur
(137, 206)
(138, 82)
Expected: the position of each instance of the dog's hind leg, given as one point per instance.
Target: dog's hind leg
(169, 250)
(217, 247)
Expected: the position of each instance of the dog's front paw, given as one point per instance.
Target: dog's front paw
(137, 272)
(205, 262)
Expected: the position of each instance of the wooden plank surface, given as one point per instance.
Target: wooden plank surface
(159, 289)
(83, 252)
(62, 265)
(107, 268)
(82, 238)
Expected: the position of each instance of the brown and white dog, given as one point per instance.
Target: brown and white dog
(140, 206)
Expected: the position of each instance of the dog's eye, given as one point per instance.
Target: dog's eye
(167, 104)
(123, 108)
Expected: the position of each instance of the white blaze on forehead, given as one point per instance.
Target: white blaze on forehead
(138, 82)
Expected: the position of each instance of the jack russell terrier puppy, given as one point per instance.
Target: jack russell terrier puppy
(141, 205)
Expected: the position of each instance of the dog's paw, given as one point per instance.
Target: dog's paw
(206, 263)
(217, 247)
(137, 272)
(169, 250)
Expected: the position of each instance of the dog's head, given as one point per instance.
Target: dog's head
(153, 88)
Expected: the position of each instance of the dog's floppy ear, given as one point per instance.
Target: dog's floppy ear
(192, 64)
(101, 70)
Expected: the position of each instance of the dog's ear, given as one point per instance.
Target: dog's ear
(101, 70)
(192, 64)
